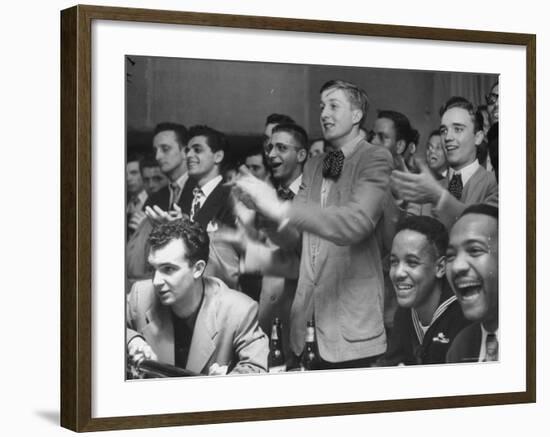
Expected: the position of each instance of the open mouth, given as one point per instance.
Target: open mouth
(403, 290)
(275, 165)
(468, 291)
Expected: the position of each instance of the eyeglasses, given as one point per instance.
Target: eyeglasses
(279, 147)
(491, 98)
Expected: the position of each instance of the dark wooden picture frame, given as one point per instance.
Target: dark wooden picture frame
(76, 217)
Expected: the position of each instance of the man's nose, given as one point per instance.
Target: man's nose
(157, 279)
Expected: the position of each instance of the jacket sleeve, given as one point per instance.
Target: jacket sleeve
(357, 219)
(449, 208)
(250, 343)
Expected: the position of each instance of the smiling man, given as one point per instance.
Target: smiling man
(467, 181)
(429, 315)
(185, 319)
(472, 271)
(205, 199)
(334, 217)
(435, 155)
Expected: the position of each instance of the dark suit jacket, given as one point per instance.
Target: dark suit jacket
(161, 198)
(218, 205)
(466, 346)
(344, 288)
(226, 329)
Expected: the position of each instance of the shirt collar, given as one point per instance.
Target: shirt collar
(351, 145)
(211, 185)
(466, 173)
(181, 180)
(295, 185)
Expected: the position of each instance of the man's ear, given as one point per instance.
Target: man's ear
(218, 156)
(440, 265)
(479, 137)
(400, 147)
(302, 155)
(356, 116)
(198, 268)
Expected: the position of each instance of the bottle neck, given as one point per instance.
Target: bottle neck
(310, 334)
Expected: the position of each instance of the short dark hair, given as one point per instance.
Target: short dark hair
(481, 208)
(357, 96)
(255, 151)
(134, 157)
(403, 129)
(297, 132)
(193, 236)
(148, 161)
(461, 102)
(434, 231)
(215, 139)
(180, 131)
(278, 119)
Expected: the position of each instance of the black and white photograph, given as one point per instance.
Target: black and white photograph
(299, 217)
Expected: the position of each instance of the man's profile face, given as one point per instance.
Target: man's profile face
(458, 137)
(285, 157)
(414, 268)
(316, 148)
(173, 275)
(472, 265)
(153, 179)
(435, 156)
(167, 151)
(492, 104)
(134, 183)
(255, 164)
(385, 135)
(202, 162)
(338, 116)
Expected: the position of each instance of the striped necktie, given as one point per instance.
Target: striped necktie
(196, 205)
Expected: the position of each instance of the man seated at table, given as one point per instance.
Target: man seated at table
(183, 318)
(429, 315)
(472, 271)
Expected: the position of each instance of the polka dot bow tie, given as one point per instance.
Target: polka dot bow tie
(333, 164)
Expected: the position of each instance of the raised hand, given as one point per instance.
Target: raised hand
(419, 187)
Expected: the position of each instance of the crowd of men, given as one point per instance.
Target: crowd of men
(393, 256)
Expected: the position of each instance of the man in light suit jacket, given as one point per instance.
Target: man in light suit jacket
(336, 213)
(467, 181)
(188, 320)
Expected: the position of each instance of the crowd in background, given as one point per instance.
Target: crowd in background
(352, 242)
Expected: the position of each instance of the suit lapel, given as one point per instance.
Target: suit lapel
(204, 332)
(186, 198)
(212, 205)
(472, 184)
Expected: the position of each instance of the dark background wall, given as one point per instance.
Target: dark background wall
(235, 97)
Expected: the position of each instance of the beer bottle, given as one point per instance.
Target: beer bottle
(276, 359)
(310, 357)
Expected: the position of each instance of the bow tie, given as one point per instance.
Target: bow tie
(285, 194)
(333, 164)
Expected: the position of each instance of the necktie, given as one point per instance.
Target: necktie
(491, 348)
(285, 193)
(332, 164)
(196, 205)
(455, 186)
(174, 194)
